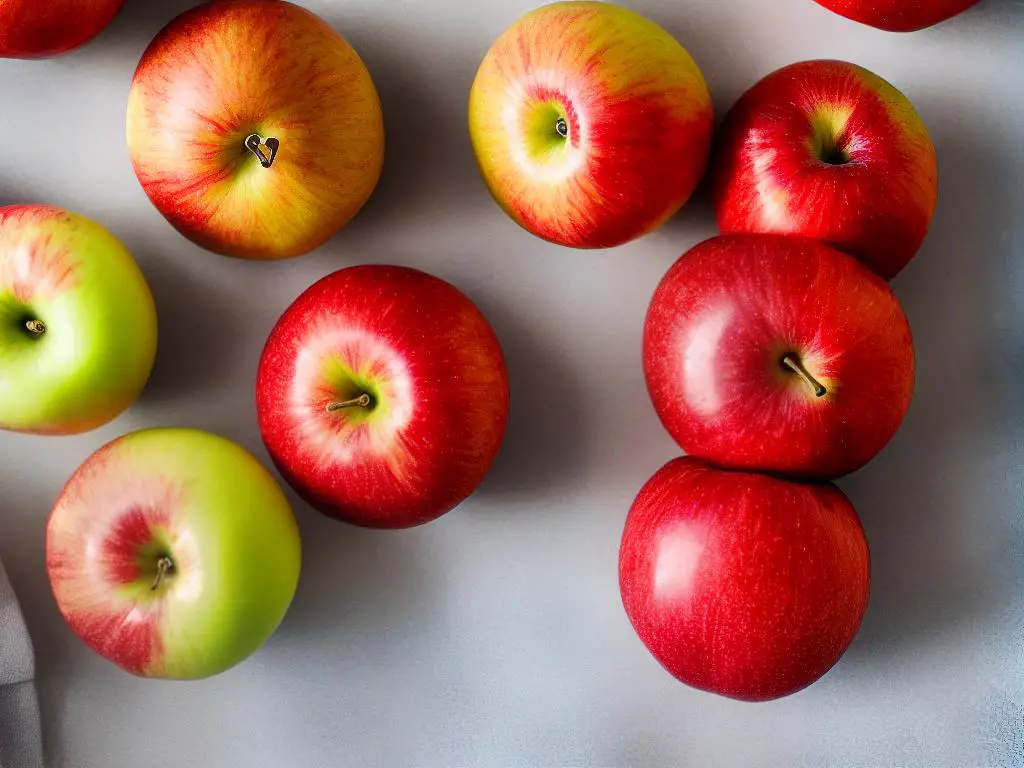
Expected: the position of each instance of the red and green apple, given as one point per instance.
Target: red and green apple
(255, 128)
(741, 584)
(591, 124)
(898, 15)
(173, 553)
(777, 354)
(382, 396)
(831, 151)
(37, 29)
(78, 324)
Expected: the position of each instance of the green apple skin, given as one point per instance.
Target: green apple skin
(78, 324)
(173, 552)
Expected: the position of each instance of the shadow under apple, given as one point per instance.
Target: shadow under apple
(935, 502)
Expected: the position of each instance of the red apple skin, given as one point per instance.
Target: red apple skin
(435, 370)
(898, 15)
(718, 327)
(771, 170)
(37, 29)
(742, 584)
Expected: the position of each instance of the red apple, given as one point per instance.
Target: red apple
(255, 128)
(382, 396)
(898, 15)
(742, 584)
(831, 151)
(777, 354)
(591, 124)
(36, 29)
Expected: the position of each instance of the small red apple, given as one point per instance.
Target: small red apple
(742, 584)
(382, 396)
(37, 29)
(778, 354)
(898, 15)
(831, 151)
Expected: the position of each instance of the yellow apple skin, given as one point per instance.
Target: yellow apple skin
(231, 69)
(591, 124)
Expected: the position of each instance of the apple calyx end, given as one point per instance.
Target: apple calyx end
(794, 364)
(363, 401)
(163, 566)
(35, 327)
(256, 144)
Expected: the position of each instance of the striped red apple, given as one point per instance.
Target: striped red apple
(255, 128)
(591, 124)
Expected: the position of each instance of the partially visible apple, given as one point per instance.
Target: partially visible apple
(590, 123)
(828, 150)
(255, 128)
(37, 29)
(777, 354)
(78, 324)
(741, 584)
(173, 553)
(898, 15)
(382, 396)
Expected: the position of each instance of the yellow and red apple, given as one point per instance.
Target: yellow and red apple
(37, 29)
(173, 553)
(255, 128)
(591, 124)
(78, 324)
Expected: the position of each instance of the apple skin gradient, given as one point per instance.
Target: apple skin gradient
(209, 505)
(98, 350)
(742, 584)
(225, 70)
(898, 15)
(718, 326)
(639, 118)
(38, 29)
(437, 374)
(768, 174)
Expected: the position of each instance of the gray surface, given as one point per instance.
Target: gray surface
(495, 636)
(20, 737)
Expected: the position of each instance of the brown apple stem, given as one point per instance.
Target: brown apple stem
(163, 566)
(562, 128)
(256, 143)
(356, 402)
(797, 367)
(35, 327)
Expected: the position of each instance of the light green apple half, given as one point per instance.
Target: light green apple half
(78, 324)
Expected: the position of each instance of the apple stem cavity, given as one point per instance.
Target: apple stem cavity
(163, 566)
(362, 401)
(255, 144)
(792, 362)
(35, 327)
(562, 128)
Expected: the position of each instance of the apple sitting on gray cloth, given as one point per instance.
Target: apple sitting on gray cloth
(20, 738)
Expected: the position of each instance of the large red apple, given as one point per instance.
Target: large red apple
(382, 396)
(742, 584)
(828, 150)
(255, 128)
(777, 354)
(898, 15)
(36, 29)
(590, 123)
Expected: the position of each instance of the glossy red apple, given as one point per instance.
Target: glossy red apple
(382, 396)
(36, 29)
(831, 151)
(777, 354)
(742, 584)
(898, 15)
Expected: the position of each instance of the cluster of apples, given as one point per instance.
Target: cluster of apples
(776, 353)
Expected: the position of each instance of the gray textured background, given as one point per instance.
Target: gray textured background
(495, 636)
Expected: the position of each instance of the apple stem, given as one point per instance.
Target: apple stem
(255, 143)
(163, 566)
(562, 128)
(794, 364)
(362, 401)
(35, 327)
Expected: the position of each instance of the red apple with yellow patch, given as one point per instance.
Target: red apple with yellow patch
(590, 123)
(255, 128)
(830, 151)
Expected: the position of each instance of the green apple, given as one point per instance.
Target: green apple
(173, 553)
(78, 325)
